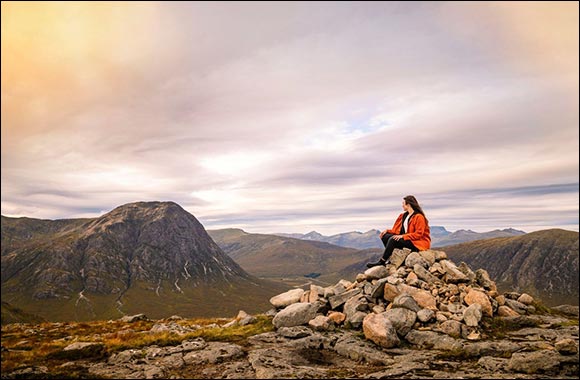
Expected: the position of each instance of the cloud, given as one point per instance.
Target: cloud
(295, 116)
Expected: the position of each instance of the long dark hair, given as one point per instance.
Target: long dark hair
(412, 201)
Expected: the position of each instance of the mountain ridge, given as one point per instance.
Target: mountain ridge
(141, 256)
(440, 236)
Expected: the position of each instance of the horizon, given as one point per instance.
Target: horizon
(325, 234)
(294, 117)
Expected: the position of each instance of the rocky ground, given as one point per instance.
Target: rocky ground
(419, 317)
(538, 346)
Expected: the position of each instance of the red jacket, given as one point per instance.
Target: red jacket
(417, 232)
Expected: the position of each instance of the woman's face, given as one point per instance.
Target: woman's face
(406, 207)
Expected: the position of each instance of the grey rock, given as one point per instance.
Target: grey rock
(294, 315)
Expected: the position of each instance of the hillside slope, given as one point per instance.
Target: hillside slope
(275, 256)
(543, 263)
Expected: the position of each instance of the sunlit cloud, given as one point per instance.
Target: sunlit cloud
(239, 164)
(291, 117)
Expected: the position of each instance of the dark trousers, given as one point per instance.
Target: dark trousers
(390, 245)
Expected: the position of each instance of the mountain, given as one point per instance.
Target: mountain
(144, 257)
(358, 240)
(353, 239)
(463, 236)
(277, 256)
(438, 232)
(543, 264)
(370, 239)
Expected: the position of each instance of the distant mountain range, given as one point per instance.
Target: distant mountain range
(145, 257)
(278, 256)
(463, 236)
(353, 239)
(439, 237)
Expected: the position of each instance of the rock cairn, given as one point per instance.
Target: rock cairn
(417, 294)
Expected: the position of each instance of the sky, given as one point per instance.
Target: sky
(294, 116)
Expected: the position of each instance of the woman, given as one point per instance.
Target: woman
(411, 230)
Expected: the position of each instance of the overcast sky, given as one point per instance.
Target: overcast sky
(292, 117)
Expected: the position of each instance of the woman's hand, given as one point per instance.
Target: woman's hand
(398, 237)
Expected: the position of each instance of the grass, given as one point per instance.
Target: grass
(238, 334)
(43, 344)
(498, 327)
(567, 323)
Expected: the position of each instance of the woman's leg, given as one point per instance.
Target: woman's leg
(386, 238)
(390, 245)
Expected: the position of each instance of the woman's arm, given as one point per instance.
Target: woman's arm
(397, 226)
